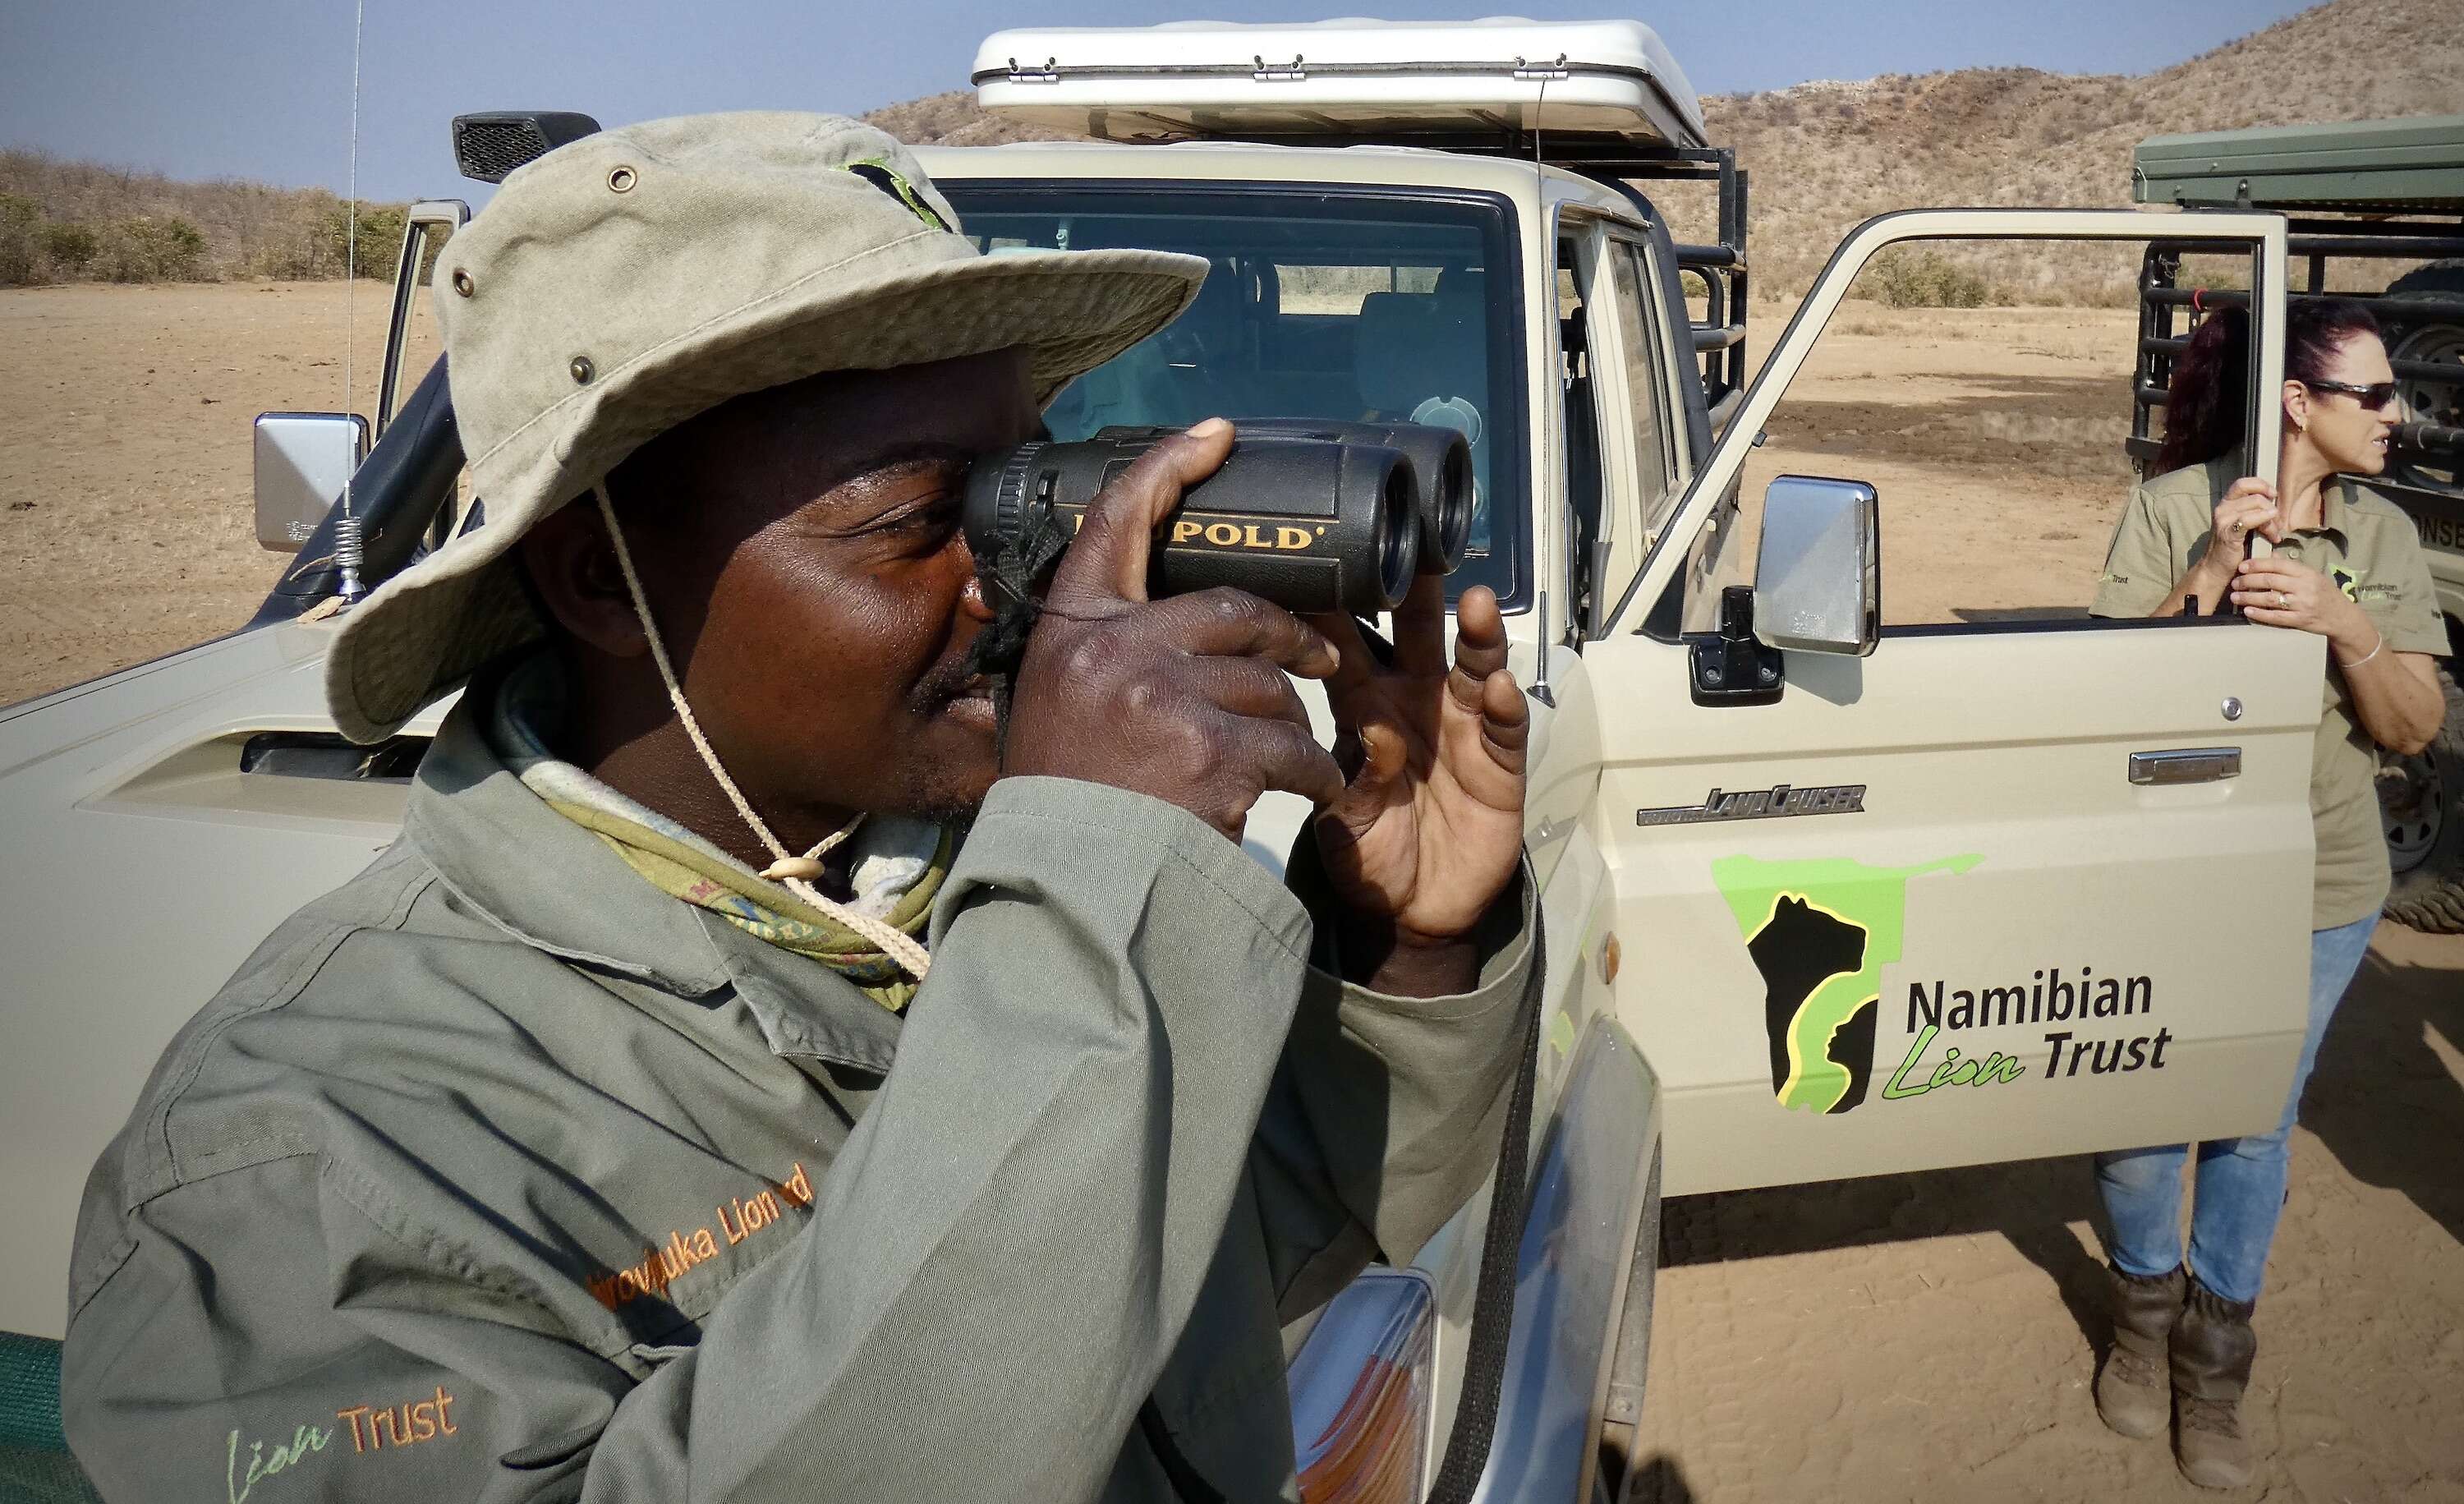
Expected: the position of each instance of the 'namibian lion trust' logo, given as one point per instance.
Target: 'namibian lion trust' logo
(1820, 933)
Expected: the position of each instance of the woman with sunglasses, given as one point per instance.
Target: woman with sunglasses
(2345, 565)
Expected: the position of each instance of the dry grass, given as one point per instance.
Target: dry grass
(142, 227)
(1825, 156)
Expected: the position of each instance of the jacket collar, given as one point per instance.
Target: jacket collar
(556, 887)
(2334, 503)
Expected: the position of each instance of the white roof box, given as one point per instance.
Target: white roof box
(1457, 83)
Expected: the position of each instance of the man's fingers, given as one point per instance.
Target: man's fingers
(1356, 665)
(1107, 560)
(1480, 635)
(1254, 689)
(1383, 757)
(1506, 721)
(1281, 756)
(1228, 623)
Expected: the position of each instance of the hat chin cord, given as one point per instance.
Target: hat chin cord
(796, 873)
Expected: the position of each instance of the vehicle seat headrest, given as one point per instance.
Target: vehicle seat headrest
(1412, 346)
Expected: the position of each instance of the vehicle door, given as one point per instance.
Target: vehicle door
(165, 818)
(2020, 881)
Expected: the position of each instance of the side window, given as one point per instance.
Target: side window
(1649, 486)
(1580, 270)
(1655, 441)
(1984, 388)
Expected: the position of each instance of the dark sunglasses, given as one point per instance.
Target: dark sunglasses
(2377, 394)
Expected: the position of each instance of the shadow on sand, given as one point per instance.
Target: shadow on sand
(2031, 1203)
(2380, 1099)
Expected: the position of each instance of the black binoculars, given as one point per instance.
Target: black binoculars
(1313, 516)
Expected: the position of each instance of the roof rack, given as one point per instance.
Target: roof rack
(1339, 83)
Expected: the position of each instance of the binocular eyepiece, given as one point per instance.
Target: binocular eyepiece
(1313, 516)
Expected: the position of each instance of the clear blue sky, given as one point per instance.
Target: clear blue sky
(261, 88)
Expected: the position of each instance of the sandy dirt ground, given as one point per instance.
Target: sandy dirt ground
(1927, 1337)
(125, 450)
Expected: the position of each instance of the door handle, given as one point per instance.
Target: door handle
(2188, 765)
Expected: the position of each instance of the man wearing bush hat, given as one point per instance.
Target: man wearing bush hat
(745, 1077)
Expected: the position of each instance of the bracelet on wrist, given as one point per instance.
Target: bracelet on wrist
(2367, 656)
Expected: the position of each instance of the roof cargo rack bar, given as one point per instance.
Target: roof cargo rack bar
(2418, 241)
(1344, 82)
(1262, 68)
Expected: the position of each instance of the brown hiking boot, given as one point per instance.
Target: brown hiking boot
(2212, 1349)
(2131, 1393)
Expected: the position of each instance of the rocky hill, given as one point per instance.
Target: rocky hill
(1825, 155)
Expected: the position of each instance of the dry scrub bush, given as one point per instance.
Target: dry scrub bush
(1904, 279)
(95, 222)
(144, 249)
(21, 248)
(70, 249)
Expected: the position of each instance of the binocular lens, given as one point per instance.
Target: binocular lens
(1400, 547)
(1446, 510)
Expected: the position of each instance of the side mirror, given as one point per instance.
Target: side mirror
(302, 461)
(1818, 577)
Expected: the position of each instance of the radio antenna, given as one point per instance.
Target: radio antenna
(348, 551)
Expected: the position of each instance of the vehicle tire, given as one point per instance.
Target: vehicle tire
(2421, 801)
(2438, 338)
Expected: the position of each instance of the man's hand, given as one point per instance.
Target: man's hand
(1429, 830)
(1184, 700)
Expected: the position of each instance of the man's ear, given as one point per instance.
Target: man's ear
(574, 569)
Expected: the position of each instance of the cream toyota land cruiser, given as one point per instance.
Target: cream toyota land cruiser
(1832, 888)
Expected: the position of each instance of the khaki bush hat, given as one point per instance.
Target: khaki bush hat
(619, 285)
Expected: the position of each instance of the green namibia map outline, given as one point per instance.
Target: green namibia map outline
(1820, 931)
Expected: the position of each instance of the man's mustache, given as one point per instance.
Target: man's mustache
(952, 679)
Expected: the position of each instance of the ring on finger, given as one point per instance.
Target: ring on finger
(2279, 600)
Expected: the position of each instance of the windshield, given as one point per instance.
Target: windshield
(1323, 303)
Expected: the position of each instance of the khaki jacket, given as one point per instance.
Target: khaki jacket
(499, 1174)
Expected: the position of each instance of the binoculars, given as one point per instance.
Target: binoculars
(1313, 516)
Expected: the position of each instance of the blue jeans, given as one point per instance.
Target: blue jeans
(2240, 1181)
